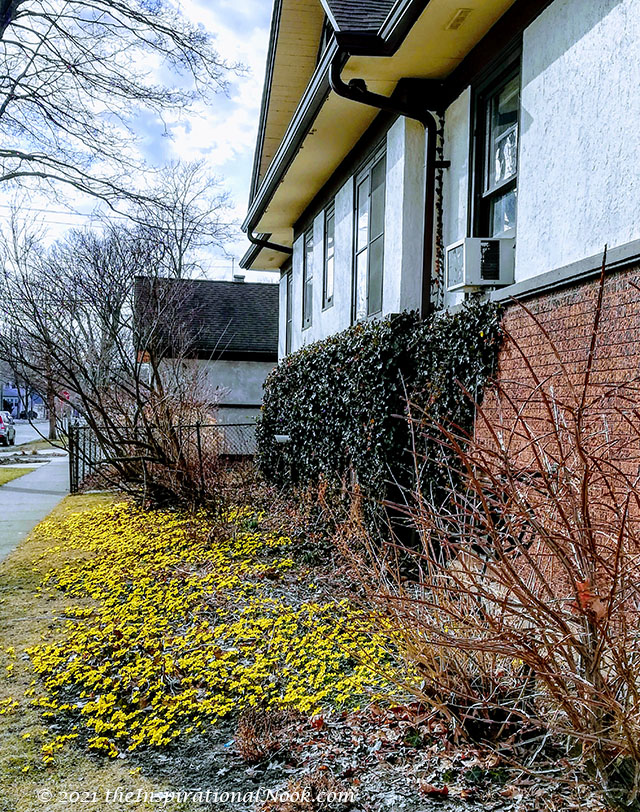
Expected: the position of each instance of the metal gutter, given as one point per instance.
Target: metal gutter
(306, 112)
(400, 21)
(330, 15)
(249, 257)
(266, 93)
(397, 25)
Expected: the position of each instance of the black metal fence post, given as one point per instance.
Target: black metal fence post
(73, 482)
(199, 442)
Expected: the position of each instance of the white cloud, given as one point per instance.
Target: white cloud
(222, 132)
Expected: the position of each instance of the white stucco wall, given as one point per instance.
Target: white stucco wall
(338, 316)
(234, 381)
(456, 179)
(578, 179)
(298, 335)
(282, 317)
(579, 174)
(404, 216)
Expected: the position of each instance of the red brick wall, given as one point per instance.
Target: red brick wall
(530, 449)
(557, 360)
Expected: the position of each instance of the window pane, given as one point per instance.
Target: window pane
(329, 253)
(330, 274)
(376, 261)
(502, 110)
(503, 213)
(308, 302)
(289, 315)
(308, 256)
(361, 286)
(307, 280)
(377, 198)
(362, 226)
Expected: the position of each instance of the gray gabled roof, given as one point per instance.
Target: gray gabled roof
(208, 318)
(358, 16)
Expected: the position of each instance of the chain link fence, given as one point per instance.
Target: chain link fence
(197, 443)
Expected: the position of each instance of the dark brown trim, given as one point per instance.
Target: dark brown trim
(230, 355)
(508, 64)
(328, 212)
(237, 406)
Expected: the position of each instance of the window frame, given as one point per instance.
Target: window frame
(307, 278)
(485, 89)
(327, 301)
(365, 174)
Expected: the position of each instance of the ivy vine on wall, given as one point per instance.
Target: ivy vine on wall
(343, 401)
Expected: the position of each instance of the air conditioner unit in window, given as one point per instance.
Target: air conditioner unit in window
(477, 262)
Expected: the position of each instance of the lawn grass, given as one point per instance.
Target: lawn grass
(8, 474)
(39, 445)
(27, 618)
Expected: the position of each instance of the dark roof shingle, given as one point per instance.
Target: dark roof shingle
(360, 15)
(208, 318)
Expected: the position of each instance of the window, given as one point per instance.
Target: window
(498, 129)
(369, 241)
(289, 313)
(329, 256)
(307, 280)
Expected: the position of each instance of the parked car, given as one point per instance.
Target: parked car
(7, 429)
(28, 415)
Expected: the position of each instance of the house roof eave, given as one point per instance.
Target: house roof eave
(385, 42)
(317, 91)
(404, 33)
(266, 93)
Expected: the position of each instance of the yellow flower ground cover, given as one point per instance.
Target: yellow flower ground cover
(176, 623)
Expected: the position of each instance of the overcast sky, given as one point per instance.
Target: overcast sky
(222, 132)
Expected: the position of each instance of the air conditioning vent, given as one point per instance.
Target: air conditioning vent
(490, 260)
(458, 19)
(480, 262)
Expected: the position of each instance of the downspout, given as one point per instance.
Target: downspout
(357, 91)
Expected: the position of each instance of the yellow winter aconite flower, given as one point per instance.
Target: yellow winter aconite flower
(8, 705)
(185, 626)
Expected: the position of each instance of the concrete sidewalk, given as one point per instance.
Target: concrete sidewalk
(26, 501)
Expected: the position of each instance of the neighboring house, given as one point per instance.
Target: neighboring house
(17, 399)
(226, 330)
(391, 130)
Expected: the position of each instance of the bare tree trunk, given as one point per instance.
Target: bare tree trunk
(51, 408)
